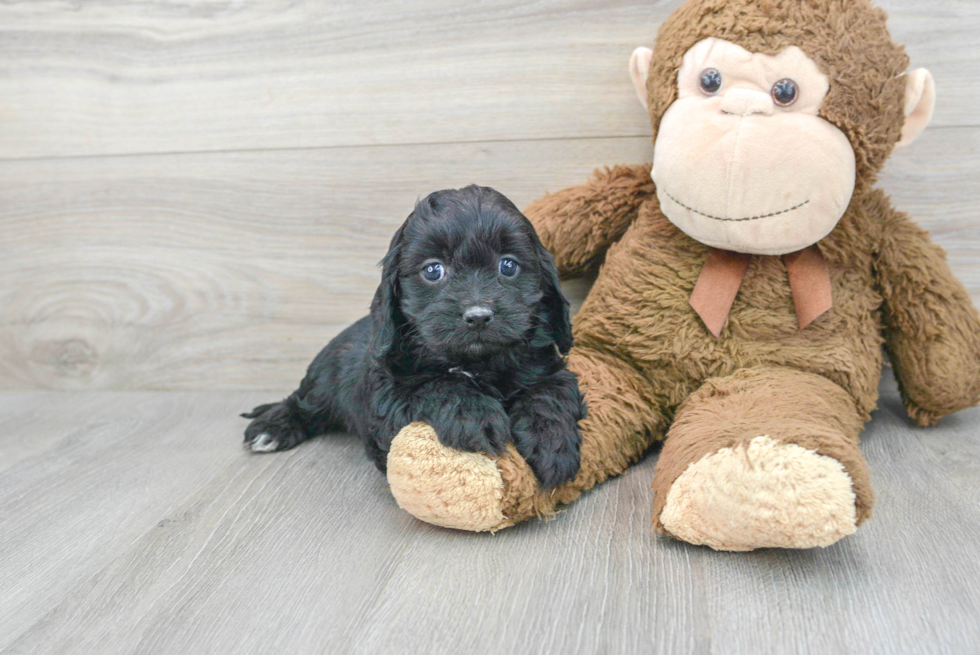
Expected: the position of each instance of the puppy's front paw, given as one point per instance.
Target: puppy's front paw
(272, 429)
(551, 448)
(473, 424)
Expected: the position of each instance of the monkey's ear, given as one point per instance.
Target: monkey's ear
(639, 69)
(920, 101)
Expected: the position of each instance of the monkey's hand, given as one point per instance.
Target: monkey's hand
(932, 329)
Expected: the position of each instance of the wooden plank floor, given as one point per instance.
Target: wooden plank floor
(134, 522)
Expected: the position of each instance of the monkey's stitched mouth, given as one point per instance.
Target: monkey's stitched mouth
(736, 220)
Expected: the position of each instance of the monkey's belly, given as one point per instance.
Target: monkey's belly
(639, 307)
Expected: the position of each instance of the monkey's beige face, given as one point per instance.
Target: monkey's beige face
(742, 161)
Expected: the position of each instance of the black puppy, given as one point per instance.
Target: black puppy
(467, 332)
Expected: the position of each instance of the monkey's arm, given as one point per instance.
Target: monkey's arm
(932, 330)
(578, 224)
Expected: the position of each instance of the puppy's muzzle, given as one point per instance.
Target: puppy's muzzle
(477, 317)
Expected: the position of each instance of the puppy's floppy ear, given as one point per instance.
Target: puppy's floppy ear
(386, 311)
(554, 301)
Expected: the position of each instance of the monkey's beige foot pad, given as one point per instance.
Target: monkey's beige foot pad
(763, 494)
(444, 486)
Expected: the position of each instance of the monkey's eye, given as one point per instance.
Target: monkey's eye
(710, 81)
(508, 267)
(433, 272)
(785, 92)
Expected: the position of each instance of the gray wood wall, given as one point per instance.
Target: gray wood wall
(194, 196)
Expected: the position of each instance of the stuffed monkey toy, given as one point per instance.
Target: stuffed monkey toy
(746, 285)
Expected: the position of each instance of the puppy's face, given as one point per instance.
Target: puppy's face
(473, 278)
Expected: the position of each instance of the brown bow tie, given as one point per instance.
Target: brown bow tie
(723, 272)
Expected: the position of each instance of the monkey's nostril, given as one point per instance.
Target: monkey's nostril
(477, 316)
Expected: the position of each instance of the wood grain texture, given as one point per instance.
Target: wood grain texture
(67, 509)
(150, 530)
(227, 270)
(232, 270)
(120, 77)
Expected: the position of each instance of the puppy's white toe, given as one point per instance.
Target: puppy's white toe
(264, 443)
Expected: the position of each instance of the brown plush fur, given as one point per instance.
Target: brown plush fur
(643, 355)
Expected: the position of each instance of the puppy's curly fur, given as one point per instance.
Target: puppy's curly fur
(476, 351)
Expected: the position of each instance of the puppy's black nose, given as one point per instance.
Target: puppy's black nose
(478, 316)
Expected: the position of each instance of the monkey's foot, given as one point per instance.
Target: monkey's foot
(760, 494)
(461, 490)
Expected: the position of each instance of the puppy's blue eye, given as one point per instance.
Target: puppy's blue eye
(508, 267)
(433, 272)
